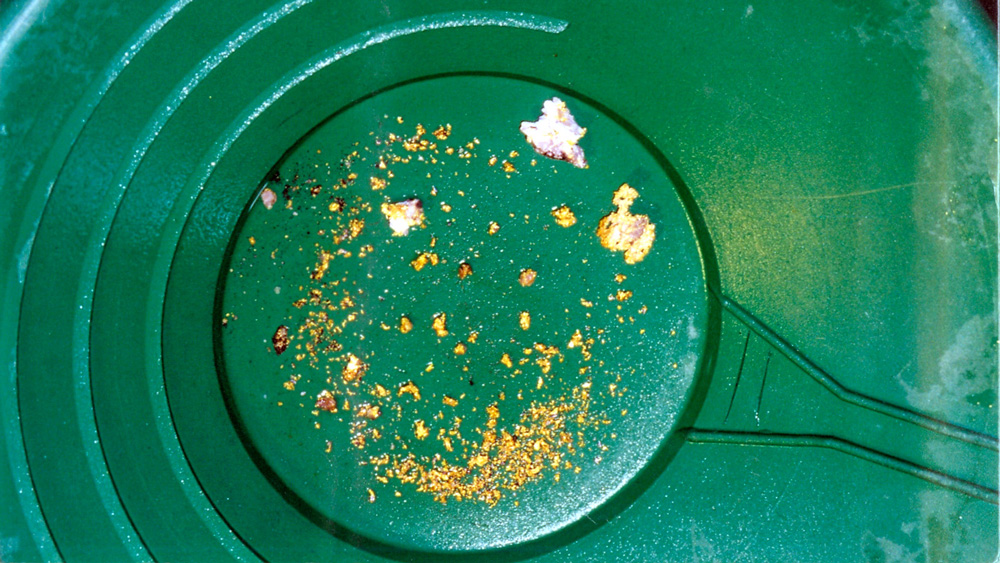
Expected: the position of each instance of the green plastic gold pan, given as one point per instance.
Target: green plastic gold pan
(498, 281)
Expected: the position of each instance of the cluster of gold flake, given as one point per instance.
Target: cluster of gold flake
(547, 434)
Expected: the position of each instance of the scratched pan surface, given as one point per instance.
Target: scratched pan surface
(206, 312)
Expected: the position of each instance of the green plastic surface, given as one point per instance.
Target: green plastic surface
(816, 376)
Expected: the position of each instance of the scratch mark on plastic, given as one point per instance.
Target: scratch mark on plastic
(739, 375)
(763, 383)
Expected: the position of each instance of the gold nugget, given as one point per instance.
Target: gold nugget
(621, 231)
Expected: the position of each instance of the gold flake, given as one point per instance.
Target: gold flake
(354, 370)
(527, 277)
(505, 360)
(409, 388)
(326, 401)
(524, 320)
(423, 259)
(564, 216)
(440, 324)
(420, 430)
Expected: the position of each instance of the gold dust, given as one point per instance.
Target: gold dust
(494, 227)
(464, 270)
(524, 320)
(405, 324)
(377, 183)
(450, 401)
(623, 295)
(460, 349)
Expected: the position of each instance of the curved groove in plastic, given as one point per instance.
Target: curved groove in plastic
(853, 397)
(180, 466)
(807, 440)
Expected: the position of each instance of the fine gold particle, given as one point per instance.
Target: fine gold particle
(460, 349)
(493, 160)
(564, 216)
(371, 495)
(527, 277)
(464, 270)
(440, 324)
(508, 167)
(586, 303)
(623, 294)
(377, 183)
(494, 227)
(620, 278)
(405, 324)
(450, 401)
(621, 231)
(524, 319)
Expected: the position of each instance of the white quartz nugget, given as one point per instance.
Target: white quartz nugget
(403, 215)
(556, 133)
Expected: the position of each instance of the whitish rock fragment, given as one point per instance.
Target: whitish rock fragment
(268, 197)
(556, 134)
(403, 215)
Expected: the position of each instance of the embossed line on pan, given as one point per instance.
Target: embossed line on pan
(844, 446)
(853, 397)
(36, 197)
(91, 267)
